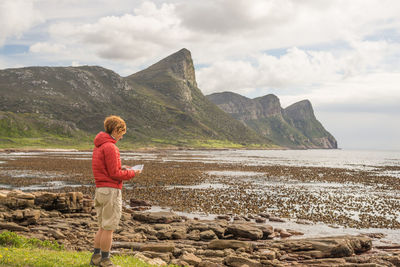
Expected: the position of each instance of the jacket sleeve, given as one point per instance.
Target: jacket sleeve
(113, 164)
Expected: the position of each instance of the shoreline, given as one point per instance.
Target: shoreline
(229, 182)
(156, 149)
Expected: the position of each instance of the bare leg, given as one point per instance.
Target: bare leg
(106, 240)
(97, 238)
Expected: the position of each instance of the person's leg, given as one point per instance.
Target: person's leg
(96, 256)
(97, 238)
(105, 242)
(110, 220)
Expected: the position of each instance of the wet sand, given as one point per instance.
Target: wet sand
(192, 183)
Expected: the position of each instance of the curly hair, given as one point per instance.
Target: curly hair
(112, 123)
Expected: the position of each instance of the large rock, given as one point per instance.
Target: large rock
(158, 247)
(13, 227)
(245, 231)
(208, 235)
(17, 215)
(64, 202)
(3, 194)
(156, 217)
(17, 199)
(237, 261)
(326, 247)
(155, 261)
(20, 194)
(147, 229)
(179, 232)
(276, 219)
(217, 227)
(194, 235)
(29, 216)
(207, 263)
(57, 234)
(128, 245)
(233, 244)
(191, 259)
(164, 256)
(45, 200)
(139, 203)
(266, 229)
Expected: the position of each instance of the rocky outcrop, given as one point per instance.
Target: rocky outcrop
(156, 217)
(164, 238)
(245, 230)
(327, 247)
(295, 127)
(178, 65)
(64, 202)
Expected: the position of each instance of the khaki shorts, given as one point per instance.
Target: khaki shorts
(108, 205)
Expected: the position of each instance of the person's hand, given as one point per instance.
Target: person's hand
(125, 167)
(138, 171)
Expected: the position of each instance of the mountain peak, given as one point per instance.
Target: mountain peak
(303, 103)
(271, 105)
(295, 126)
(179, 65)
(301, 110)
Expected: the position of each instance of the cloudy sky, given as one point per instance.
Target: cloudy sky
(344, 56)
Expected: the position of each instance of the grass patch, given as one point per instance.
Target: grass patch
(11, 239)
(17, 250)
(46, 142)
(36, 257)
(208, 144)
(86, 143)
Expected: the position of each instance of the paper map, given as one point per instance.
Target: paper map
(137, 167)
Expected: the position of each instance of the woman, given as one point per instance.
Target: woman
(108, 175)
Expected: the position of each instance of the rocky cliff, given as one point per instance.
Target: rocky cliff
(301, 116)
(294, 127)
(172, 83)
(161, 104)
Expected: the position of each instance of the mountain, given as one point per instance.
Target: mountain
(161, 105)
(294, 127)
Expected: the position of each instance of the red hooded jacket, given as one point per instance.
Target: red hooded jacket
(106, 163)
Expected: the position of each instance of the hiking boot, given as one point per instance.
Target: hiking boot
(107, 263)
(95, 259)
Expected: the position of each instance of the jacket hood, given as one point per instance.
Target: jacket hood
(103, 137)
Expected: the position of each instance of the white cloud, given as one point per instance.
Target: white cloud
(295, 69)
(144, 33)
(233, 16)
(342, 55)
(372, 92)
(16, 17)
(237, 76)
(221, 30)
(284, 23)
(46, 48)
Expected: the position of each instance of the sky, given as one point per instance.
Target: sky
(343, 56)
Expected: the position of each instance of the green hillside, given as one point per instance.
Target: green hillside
(162, 105)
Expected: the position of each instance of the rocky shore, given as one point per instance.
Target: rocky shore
(354, 198)
(167, 238)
